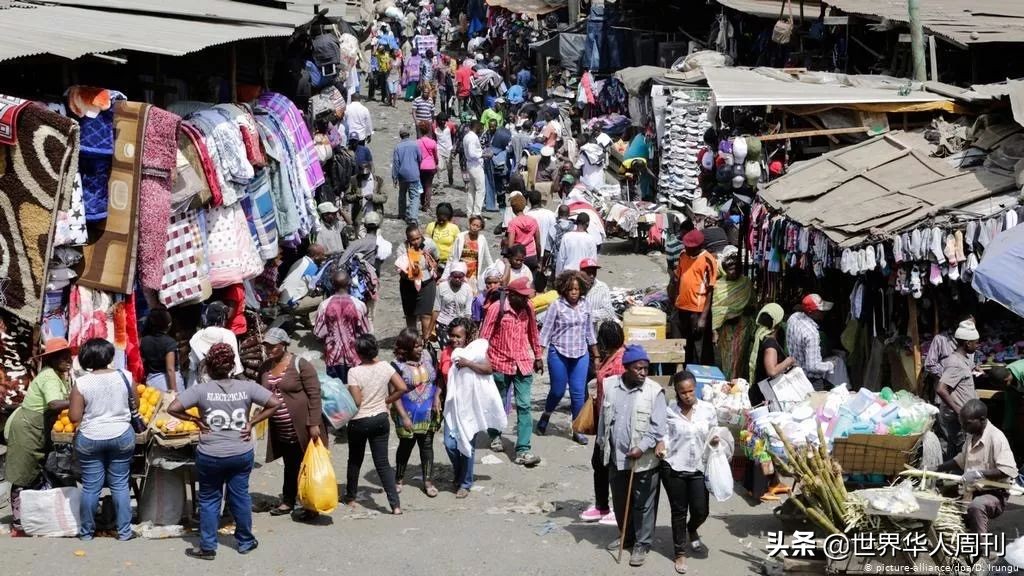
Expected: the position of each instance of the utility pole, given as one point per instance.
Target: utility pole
(917, 40)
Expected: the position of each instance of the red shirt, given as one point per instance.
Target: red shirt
(464, 78)
(515, 344)
(234, 297)
(522, 230)
(611, 367)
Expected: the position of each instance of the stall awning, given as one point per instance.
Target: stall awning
(772, 8)
(565, 46)
(73, 31)
(529, 7)
(637, 78)
(775, 87)
(998, 277)
(877, 188)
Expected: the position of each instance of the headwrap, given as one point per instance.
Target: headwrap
(776, 313)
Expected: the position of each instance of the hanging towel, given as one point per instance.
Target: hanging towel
(159, 163)
(185, 279)
(258, 205)
(291, 119)
(229, 246)
(71, 229)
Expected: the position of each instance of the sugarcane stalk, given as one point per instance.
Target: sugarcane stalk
(791, 452)
(781, 466)
(816, 516)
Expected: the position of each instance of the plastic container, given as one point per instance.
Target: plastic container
(860, 401)
(758, 413)
(871, 412)
(886, 394)
(888, 414)
(641, 323)
(862, 428)
(843, 424)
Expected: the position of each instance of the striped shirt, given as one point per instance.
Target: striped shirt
(568, 329)
(422, 109)
(514, 341)
(281, 421)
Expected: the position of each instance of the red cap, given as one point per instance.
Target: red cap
(815, 303)
(693, 239)
(521, 286)
(588, 263)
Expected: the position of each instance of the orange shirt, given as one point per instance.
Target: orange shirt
(696, 277)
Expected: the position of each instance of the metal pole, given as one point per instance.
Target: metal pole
(933, 56)
(917, 40)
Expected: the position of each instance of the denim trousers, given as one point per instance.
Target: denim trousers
(215, 474)
(462, 465)
(409, 200)
(339, 371)
(109, 460)
(491, 193)
(521, 386)
(601, 51)
(571, 372)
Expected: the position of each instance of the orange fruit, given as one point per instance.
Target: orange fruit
(139, 388)
(58, 427)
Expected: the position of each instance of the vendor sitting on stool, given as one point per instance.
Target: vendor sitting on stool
(986, 455)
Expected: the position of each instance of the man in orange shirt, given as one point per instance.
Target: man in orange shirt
(690, 288)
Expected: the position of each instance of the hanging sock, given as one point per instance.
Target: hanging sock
(869, 259)
(880, 256)
(1011, 220)
(916, 280)
(935, 245)
(971, 235)
(949, 250)
(845, 262)
(897, 248)
(958, 240)
(935, 277)
(953, 272)
(915, 245)
(972, 263)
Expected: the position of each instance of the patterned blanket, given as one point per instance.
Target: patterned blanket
(40, 171)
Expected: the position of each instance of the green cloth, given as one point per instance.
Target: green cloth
(492, 114)
(1017, 369)
(1011, 404)
(776, 313)
(730, 299)
(45, 388)
(26, 442)
(522, 387)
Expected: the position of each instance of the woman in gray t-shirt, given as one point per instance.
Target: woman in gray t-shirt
(224, 457)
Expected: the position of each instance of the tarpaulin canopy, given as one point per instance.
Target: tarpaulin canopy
(529, 7)
(998, 277)
(566, 46)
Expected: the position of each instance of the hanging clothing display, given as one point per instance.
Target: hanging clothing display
(679, 182)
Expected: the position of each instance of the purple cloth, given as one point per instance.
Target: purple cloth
(291, 119)
(568, 329)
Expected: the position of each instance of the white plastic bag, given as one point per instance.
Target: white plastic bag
(718, 471)
(51, 512)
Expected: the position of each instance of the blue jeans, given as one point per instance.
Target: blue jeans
(214, 474)
(462, 465)
(567, 371)
(490, 191)
(601, 51)
(110, 460)
(409, 200)
(339, 371)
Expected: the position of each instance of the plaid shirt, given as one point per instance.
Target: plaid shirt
(514, 344)
(568, 329)
(804, 342)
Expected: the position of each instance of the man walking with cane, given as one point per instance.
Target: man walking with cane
(631, 424)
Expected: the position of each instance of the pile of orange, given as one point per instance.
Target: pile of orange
(149, 401)
(64, 423)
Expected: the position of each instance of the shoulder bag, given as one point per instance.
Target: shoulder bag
(782, 33)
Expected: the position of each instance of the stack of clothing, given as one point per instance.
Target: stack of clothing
(679, 182)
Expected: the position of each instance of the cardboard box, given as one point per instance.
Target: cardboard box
(641, 323)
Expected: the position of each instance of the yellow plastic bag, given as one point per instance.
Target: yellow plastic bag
(318, 490)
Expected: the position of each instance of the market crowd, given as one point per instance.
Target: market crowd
(495, 289)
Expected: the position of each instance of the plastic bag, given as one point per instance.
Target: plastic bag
(318, 489)
(718, 473)
(51, 512)
(336, 401)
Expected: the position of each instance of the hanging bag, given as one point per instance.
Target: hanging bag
(138, 425)
(782, 33)
(585, 423)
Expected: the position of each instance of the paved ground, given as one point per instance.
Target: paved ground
(516, 522)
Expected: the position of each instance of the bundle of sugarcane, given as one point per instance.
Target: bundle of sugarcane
(822, 495)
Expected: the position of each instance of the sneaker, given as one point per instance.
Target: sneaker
(528, 459)
(201, 554)
(593, 514)
(608, 520)
(638, 557)
(255, 545)
(542, 424)
(580, 439)
(613, 546)
(496, 445)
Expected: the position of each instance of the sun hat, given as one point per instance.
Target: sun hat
(54, 345)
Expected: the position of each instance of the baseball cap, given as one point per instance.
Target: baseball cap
(276, 336)
(589, 263)
(326, 208)
(815, 303)
(373, 219)
(693, 239)
(521, 286)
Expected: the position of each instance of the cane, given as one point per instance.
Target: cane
(625, 514)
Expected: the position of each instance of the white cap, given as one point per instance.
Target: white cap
(326, 208)
(967, 331)
(537, 99)
(604, 140)
(547, 151)
(459, 267)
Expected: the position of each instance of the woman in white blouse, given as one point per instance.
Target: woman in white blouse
(690, 421)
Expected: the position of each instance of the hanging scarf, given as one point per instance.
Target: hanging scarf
(776, 313)
(730, 298)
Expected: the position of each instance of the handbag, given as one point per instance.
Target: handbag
(137, 424)
(585, 423)
(782, 33)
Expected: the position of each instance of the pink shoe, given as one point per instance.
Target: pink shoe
(592, 514)
(608, 519)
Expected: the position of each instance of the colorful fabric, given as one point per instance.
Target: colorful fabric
(289, 116)
(203, 162)
(184, 280)
(695, 277)
(258, 205)
(289, 206)
(40, 172)
(731, 350)
(159, 163)
(96, 163)
(513, 336)
(730, 299)
(10, 108)
(243, 118)
(420, 379)
(189, 187)
(127, 347)
(110, 262)
(89, 316)
(71, 228)
(227, 151)
(568, 329)
(232, 254)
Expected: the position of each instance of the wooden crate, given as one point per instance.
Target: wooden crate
(69, 437)
(875, 454)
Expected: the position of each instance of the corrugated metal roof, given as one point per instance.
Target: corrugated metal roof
(962, 22)
(877, 188)
(773, 87)
(530, 7)
(227, 10)
(71, 32)
(771, 8)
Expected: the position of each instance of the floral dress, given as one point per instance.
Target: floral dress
(419, 400)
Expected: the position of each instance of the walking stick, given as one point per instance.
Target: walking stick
(625, 514)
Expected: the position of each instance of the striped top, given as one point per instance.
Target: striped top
(281, 421)
(422, 109)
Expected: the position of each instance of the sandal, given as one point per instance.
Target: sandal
(680, 565)
(281, 510)
(431, 490)
(462, 493)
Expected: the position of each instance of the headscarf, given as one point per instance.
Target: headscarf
(731, 297)
(776, 313)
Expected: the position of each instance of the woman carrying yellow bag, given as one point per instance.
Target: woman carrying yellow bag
(318, 490)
